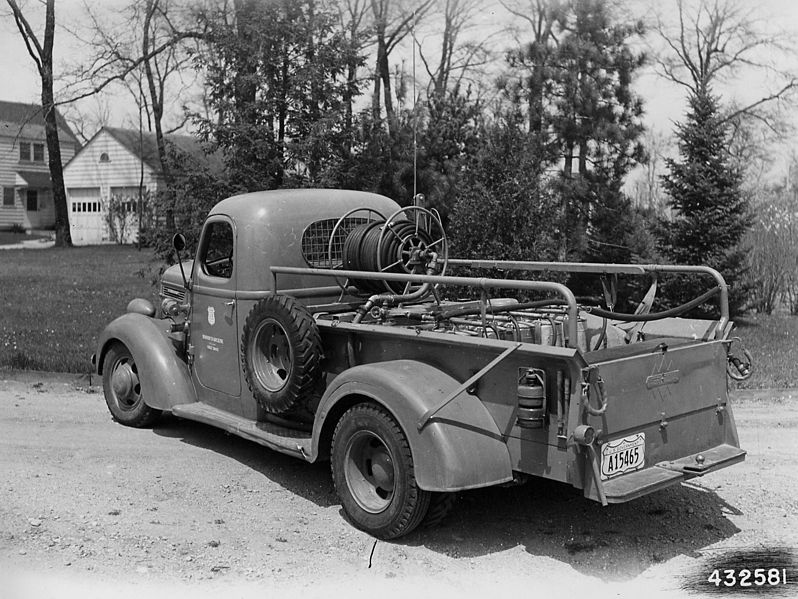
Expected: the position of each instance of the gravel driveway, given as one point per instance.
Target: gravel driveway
(91, 508)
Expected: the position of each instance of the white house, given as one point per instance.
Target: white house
(107, 173)
(24, 168)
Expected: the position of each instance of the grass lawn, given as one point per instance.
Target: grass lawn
(10, 238)
(55, 302)
(773, 343)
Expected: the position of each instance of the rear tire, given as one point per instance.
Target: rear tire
(122, 389)
(372, 468)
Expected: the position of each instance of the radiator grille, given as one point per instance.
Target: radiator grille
(177, 293)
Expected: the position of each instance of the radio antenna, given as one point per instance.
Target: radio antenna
(415, 112)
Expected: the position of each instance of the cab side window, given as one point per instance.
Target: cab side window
(217, 260)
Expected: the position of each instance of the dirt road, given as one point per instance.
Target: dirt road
(91, 508)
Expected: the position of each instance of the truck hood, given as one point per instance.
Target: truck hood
(171, 275)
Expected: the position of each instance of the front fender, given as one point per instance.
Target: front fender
(460, 448)
(164, 377)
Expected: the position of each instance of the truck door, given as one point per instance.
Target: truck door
(214, 330)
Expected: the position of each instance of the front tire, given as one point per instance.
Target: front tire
(122, 389)
(372, 468)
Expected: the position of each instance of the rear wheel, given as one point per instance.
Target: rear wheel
(122, 388)
(372, 468)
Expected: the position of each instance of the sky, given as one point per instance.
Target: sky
(664, 102)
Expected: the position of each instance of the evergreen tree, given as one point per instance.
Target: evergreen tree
(711, 213)
(574, 81)
(505, 209)
(278, 91)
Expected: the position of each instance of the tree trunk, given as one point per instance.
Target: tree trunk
(384, 72)
(156, 100)
(63, 237)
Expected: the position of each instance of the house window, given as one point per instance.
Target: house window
(104, 157)
(32, 203)
(8, 196)
(29, 152)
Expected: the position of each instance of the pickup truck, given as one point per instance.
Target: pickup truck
(323, 324)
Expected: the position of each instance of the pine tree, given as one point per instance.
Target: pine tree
(574, 80)
(710, 212)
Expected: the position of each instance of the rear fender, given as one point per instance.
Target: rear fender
(164, 377)
(460, 448)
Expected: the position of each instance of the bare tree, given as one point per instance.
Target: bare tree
(392, 23)
(353, 15)
(457, 58)
(85, 121)
(773, 239)
(146, 54)
(715, 40)
(646, 191)
(41, 51)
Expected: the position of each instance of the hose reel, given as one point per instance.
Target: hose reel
(410, 241)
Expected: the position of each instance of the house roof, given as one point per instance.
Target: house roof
(145, 147)
(35, 179)
(14, 116)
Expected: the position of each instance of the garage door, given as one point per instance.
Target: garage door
(86, 218)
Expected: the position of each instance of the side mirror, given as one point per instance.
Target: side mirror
(179, 244)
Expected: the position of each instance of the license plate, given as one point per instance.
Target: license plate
(623, 455)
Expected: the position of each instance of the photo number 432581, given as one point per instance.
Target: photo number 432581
(757, 577)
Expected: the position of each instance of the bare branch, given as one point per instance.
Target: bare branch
(774, 96)
(28, 36)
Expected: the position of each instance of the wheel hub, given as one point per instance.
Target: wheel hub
(124, 383)
(412, 252)
(382, 470)
(370, 472)
(271, 357)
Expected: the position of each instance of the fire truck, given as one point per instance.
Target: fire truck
(334, 325)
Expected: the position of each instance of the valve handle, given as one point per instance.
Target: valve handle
(740, 370)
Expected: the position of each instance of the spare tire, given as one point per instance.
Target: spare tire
(281, 354)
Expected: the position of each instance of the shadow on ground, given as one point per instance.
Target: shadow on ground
(551, 519)
(311, 481)
(548, 519)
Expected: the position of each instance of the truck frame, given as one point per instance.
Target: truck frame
(319, 323)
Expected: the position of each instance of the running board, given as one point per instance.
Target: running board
(273, 436)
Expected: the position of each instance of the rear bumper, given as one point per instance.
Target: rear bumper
(636, 484)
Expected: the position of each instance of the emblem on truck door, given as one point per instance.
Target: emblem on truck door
(211, 316)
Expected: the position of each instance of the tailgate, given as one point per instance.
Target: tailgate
(667, 418)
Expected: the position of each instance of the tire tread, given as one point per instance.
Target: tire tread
(417, 505)
(304, 336)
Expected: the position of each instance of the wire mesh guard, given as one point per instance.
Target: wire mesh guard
(323, 243)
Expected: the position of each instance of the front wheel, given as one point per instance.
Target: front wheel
(122, 389)
(372, 469)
